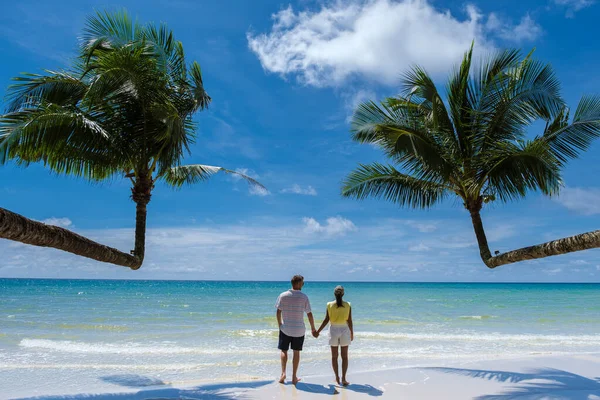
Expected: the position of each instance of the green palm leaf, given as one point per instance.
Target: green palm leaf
(191, 174)
(384, 181)
(567, 141)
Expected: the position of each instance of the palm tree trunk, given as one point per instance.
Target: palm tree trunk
(584, 241)
(474, 207)
(141, 192)
(18, 228)
(484, 249)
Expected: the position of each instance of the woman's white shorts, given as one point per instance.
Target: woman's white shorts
(339, 335)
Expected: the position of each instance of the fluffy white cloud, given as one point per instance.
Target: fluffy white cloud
(526, 30)
(584, 201)
(62, 222)
(334, 226)
(297, 189)
(376, 39)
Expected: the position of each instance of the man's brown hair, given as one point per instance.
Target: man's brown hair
(296, 280)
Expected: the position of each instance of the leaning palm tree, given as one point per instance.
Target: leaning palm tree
(473, 144)
(123, 109)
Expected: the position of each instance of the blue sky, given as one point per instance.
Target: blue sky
(284, 78)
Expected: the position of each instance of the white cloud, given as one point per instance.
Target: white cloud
(376, 39)
(573, 6)
(61, 222)
(258, 191)
(274, 249)
(526, 30)
(584, 201)
(252, 189)
(334, 226)
(553, 271)
(297, 189)
(579, 262)
(423, 227)
(418, 247)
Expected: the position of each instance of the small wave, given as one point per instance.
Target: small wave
(69, 346)
(483, 337)
(477, 317)
(255, 333)
(94, 327)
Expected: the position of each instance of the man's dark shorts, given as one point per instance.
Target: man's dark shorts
(285, 341)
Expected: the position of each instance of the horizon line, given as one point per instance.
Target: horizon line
(287, 281)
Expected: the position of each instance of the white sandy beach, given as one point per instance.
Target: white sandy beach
(536, 377)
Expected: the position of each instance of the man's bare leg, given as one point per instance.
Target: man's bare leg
(295, 364)
(284, 358)
(344, 365)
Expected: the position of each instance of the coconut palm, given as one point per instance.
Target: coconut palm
(473, 144)
(124, 109)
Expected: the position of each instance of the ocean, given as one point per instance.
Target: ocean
(74, 336)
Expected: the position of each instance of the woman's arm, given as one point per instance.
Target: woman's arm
(350, 325)
(324, 324)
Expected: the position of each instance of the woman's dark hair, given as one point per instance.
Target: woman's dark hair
(338, 292)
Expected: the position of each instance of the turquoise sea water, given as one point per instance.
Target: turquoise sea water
(67, 336)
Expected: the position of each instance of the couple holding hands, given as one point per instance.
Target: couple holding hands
(291, 306)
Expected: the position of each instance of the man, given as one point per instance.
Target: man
(291, 306)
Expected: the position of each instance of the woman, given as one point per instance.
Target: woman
(341, 332)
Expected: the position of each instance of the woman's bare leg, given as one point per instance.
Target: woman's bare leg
(334, 363)
(344, 365)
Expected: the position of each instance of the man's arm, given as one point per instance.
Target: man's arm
(312, 323)
(279, 322)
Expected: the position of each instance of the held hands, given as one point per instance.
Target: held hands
(315, 333)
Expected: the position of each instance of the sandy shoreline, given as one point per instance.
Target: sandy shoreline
(534, 377)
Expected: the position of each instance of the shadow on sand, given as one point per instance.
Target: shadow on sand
(545, 383)
(224, 391)
(367, 389)
(333, 389)
(317, 389)
(132, 380)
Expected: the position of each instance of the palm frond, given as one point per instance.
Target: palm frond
(400, 133)
(566, 140)
(31, 89)
(517, 169)
(192, 174)
(111, 29)
(44, 132)
(202, 98)
(460, 102)
(420, 92)
(384, 181)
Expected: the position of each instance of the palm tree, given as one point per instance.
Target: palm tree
(123, 109)
(473, 145)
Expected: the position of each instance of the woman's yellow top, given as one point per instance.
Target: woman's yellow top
(338, 315)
